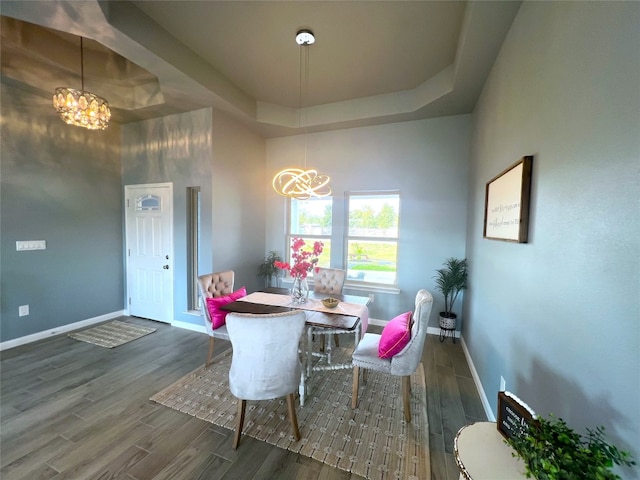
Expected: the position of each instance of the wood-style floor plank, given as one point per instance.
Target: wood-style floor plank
(72, 410)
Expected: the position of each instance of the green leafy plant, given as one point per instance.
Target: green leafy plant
(551, 450)
(267, 270)
(450, 281)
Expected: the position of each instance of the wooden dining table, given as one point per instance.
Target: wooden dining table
(349, 317)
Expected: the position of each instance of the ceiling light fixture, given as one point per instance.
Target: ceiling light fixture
(81, 108)
(302, 184)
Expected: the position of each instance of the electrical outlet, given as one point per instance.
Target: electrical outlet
(371, 298)
(23, 310)
(503, 384)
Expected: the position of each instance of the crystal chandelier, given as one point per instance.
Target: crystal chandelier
(81, 108)
(302, 184)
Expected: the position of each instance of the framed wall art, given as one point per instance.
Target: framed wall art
(506, 206)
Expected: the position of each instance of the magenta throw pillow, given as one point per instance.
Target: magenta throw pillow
(217, 315)
(395, 336)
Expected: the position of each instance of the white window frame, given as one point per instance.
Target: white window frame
(362, 284)
(289, 236)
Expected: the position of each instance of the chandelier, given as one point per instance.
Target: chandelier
(298, 183)
(81, 108)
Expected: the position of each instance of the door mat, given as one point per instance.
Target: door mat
(112, 334)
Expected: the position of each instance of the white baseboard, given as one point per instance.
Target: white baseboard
(34, 337)
(188, 326)
(379, 323)
(479, 387)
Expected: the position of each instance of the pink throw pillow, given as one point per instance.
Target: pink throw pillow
(217, 315)
(395, 336)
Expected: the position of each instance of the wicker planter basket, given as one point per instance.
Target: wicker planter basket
(448, 327)
(448, 323)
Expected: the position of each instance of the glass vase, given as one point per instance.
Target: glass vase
(299, 290)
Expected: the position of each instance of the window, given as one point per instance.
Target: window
(193, 245)
(372, 237)
(311, 221)
(366, 245)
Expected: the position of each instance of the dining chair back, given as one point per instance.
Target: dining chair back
(328, 280)
(265, 362)
(331, 282)
(405, 362)
(214, 285)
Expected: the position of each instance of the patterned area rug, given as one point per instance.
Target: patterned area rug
(372, 441)
(112, 334)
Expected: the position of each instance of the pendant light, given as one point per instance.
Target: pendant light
(79, 107)
(298, 183)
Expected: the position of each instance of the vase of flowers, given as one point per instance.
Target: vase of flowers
(299, 290)
(302, 261)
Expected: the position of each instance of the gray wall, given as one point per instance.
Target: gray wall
(238, 205)
(60, 184)
(206, 149)
(558, 317)
(425, 160)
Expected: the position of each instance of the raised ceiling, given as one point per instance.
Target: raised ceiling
(373, 62)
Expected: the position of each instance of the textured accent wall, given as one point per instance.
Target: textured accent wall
(204, 148)
(60, 184)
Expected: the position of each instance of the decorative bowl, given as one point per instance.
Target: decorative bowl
(330, 302)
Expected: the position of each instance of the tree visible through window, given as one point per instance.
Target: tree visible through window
(372, 237)
(311, 221)
(368, 243)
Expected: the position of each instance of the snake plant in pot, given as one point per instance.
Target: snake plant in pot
(450, 281)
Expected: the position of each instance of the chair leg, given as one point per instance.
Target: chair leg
(242, 405)
(322, 343)
(292, 415)
(335, 339)
(406, 393)
(356, 380)
(210, 354)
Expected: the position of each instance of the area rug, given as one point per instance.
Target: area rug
(112, 334)
(372, 441)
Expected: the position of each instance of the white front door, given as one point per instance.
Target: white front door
(149, 250)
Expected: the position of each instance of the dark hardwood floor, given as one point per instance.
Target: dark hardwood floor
(71, 410)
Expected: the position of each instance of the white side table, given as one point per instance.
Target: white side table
(481, 454)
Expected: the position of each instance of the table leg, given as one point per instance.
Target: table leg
(309, 350)
(306, 361)
(302, 388)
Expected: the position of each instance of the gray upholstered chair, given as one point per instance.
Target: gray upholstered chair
(265, 362)
(328, 280)
(214, 285)
(402, 364)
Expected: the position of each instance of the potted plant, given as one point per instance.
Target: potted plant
(551, 450)
(268, 271)
(450, 281)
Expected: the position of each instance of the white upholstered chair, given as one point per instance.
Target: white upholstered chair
(265, 362)
(330, 282)
(214, 285)
(402, 364)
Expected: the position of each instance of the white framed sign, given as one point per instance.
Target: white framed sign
(506, 209)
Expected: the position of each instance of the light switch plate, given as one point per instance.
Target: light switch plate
(22, 245)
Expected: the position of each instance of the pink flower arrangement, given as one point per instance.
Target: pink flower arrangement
(303, 260)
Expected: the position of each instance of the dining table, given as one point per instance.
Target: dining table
(350, 316)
